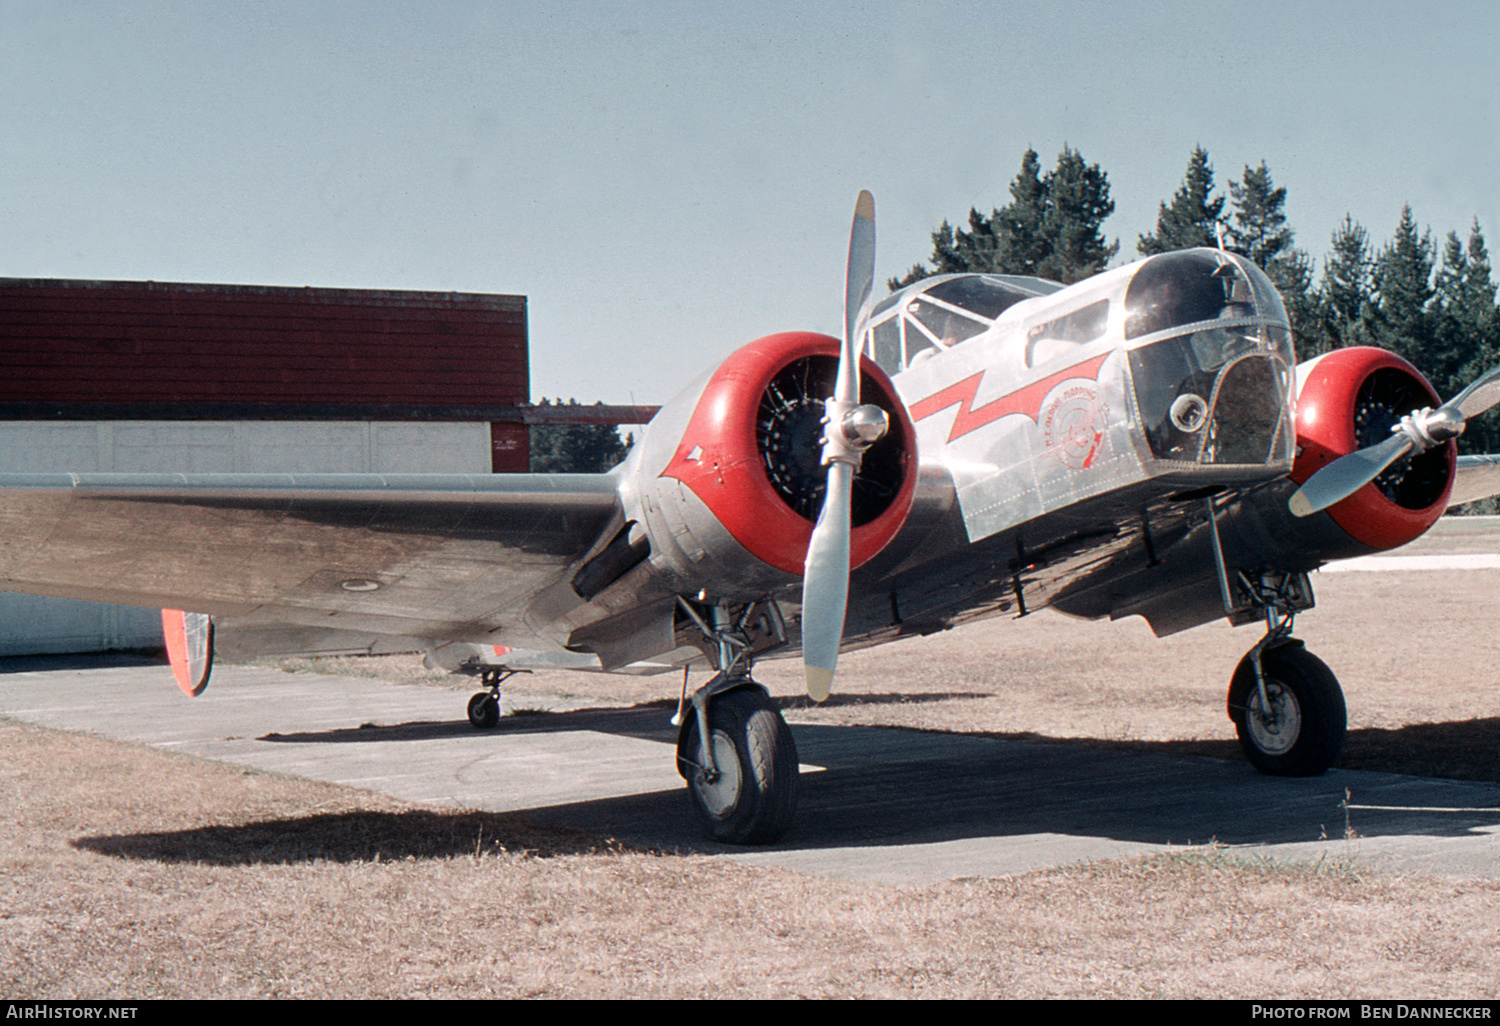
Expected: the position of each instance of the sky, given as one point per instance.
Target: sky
(667, 181)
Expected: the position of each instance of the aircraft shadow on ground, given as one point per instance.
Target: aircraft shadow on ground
(1128, 795)
(1117, 796)
(1454, 750)
(1028, 788)
(879, 786)
(125, 659)
(871, 791)
(648, 721)
(361, 836)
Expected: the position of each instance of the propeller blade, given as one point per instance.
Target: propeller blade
(859, 281)
(825, 582)
(1347, 475)
(1481, 394)
(825, 586)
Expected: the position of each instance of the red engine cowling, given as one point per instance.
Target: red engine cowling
(1349, 399)
(751, 452)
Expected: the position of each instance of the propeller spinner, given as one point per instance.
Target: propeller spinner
(1416, 433)
(848, 430)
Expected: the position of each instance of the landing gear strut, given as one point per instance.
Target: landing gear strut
(1286, 704)
(1287, 707)
(484, 707)
(733, 748)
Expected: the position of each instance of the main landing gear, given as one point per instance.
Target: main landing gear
(484, 707)
(733, 747)
(1287, 707)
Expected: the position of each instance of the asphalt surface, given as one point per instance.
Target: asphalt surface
(874, 804)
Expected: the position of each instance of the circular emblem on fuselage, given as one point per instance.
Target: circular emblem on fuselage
(1073, 425)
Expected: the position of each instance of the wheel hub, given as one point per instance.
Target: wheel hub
(1275, 731)
(720, 795)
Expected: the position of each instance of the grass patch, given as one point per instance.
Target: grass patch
(253, 885)
(128, 873)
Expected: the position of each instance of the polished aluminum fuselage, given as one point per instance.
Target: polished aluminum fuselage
(1064, 444)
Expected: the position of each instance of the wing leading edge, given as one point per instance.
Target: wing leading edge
(1478, 478)
(441, 556)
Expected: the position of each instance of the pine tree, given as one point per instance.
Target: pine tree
(1052, 228)
(1482, 317)
(1454, 341)
(1077, 204)
(945, 256)
(1259, 230)
(1403, 289)
(1478, 310)
(1189, 220)
(1464, 319)
(1260, 233)
(1021, 243)
(1292, 275)
(1345, 311)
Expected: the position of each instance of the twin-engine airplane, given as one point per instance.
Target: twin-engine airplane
(1142, 442)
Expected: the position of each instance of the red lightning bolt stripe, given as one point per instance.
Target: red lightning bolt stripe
(1026, 401)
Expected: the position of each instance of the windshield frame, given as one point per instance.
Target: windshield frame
(911, 312)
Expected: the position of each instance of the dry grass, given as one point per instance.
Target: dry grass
(252, 885)
(128, 873)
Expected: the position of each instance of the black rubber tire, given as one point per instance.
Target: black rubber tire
(484, 711)
(756, 796)
(1308, 693)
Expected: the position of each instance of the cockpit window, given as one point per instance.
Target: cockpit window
(943, 324)
(989, 295)
(1051, 338)
(941, 312)
(1217, 395)
(885, 343)
(1186, 287)
(884, 305)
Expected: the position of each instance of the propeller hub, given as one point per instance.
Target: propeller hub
(1427, 428)
(850, 429)
(864, 425)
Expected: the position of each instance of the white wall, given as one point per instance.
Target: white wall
(214, 446)
(30, 625)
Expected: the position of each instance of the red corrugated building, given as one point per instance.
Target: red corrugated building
(158, 351)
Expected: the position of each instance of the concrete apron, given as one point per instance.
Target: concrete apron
(875, 804)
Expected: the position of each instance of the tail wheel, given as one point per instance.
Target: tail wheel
(484, 711)
(1302, 732)
(754, 794)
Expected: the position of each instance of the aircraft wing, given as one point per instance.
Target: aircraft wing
(440, 556)
(1478, 478)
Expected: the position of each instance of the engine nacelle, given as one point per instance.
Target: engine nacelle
(733, 469)
(1349, 399)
